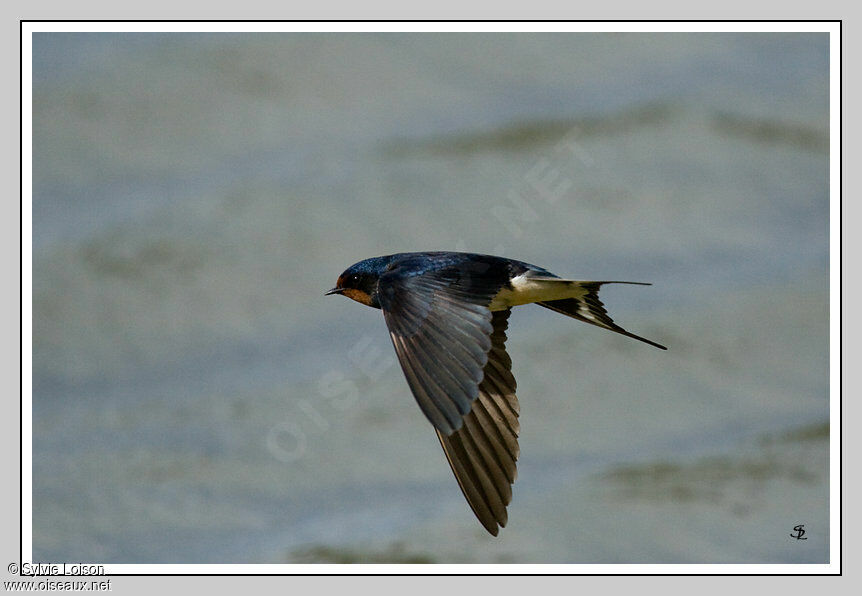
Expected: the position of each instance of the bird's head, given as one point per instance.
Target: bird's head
(359, 281)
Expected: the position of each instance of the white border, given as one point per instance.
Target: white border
(277, 569)
(490, 569)
(835, 316)
(26, 298)
(433, 26)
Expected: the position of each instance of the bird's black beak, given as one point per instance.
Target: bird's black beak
(334, 291)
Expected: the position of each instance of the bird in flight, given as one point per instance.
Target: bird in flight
(447, 314)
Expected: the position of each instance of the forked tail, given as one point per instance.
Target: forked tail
(589, 309)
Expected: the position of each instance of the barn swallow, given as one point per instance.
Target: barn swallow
(447, 314)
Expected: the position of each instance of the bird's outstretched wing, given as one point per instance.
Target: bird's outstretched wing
(441, 328)
(452, 350)
(483, 453)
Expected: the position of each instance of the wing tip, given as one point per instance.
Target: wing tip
(492, 528)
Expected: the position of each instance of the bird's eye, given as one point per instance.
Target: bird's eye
(354, 278)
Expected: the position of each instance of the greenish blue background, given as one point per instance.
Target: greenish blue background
(196, 399)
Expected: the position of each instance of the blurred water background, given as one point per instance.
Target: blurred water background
(197, 399)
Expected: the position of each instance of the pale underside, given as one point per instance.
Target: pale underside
(527, 289)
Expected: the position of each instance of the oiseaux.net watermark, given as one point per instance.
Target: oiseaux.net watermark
(71, 574)
(339, 391)
(547, 181)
